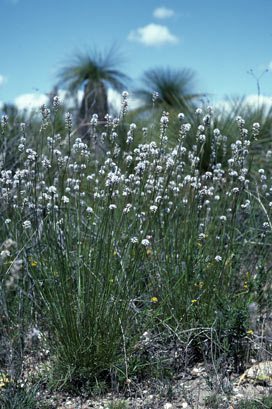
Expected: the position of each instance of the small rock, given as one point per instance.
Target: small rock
(185, 405)
(168, 406)
(239, 396)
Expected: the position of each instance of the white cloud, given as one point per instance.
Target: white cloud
(262, 100)
(35, 100)
(67, 99)
(163, 12)
(2, 80)
(30, 101)
(270, 66)
(80, 94)
(114, 99)
(152, 35)
(251, 100)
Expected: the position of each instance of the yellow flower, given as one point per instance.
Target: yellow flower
(250, 332)
(199, 244)
(154, 299)
(4, 380)
(111, 281)
(200, 284)
(149, 252)
(245, 285)
(55, 273)
(194, 301)
(34, 263)
(115, 253)
(166, 257)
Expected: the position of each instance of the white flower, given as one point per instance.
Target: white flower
(206, 119)
(129, 138)
(129, 159)
(127, 208)
(186, 127)
(4, 254)
(134, 240)
(164, 120)
(52, 189)
(180, 116)
(164, 140)
(218, 258)
(57, 153)
(112, 206)
(56, 102)
(89, 210)
(153, 209)
(26, 224)
(256, 126)
(145, 242)
(94, 119)
(65, 199)
(170, 163)
(132, 127)
(68, 121)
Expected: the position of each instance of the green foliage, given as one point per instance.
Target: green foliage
(264, 403)
(13, 396)
(118, 405)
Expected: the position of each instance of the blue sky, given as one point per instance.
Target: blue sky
(220, 40)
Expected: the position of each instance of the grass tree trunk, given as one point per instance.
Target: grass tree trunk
(94, 102)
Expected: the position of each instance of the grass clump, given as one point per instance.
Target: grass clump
(113, 256)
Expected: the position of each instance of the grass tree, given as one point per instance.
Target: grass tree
(94, 72)
(175, 88)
